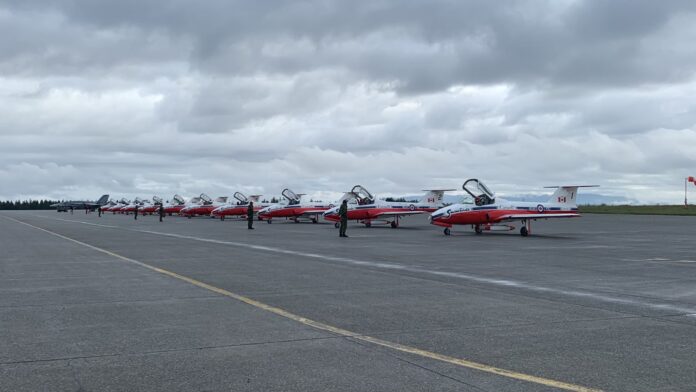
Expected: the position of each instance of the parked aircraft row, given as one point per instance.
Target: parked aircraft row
(486, 213)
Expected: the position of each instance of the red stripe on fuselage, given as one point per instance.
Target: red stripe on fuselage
(486, 216)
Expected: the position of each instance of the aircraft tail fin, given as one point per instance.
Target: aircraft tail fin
(434, 197)
(103, 200)
(567, 194)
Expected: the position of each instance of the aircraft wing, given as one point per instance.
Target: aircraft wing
(512, 217)
(313, 212)
(399, 213)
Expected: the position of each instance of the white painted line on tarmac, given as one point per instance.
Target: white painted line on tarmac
(664, 307)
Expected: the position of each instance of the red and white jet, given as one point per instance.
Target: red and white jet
(131, 206)
(118, 206)
(204, 207)
(239, 208)
(491, 214)
(367, 210)
(175, 205)
(151, 208)
(294, 209)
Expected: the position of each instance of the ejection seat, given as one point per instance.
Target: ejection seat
(242, 199)
(293, 198)
(205, 199)
(362, 196)
(480, 192)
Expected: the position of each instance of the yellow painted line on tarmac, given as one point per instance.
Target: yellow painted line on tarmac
(336, 330)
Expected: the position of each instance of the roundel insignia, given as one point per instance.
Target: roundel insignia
(540, 208)
(331, 206)
(412, 207)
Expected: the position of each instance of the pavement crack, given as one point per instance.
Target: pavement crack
(400, 358)
(152, 352)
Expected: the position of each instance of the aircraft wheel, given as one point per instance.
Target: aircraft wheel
(394, 225)
(478, 229)
(269, 221)
(368, 224)
(222, 217)
(447, 231)
(337, 225)
(189, 216)
(524, 232)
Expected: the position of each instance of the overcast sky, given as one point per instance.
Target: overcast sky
(136, 98)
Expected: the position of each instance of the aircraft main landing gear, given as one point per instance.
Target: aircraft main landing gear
(222, 217)
(268, 220)
(478, 229)
(525, 229)
(337, 225)
(368, 224)
(447, 231)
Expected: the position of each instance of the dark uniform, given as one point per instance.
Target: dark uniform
(136, 212)
(161, 211)
(100, 212)
(343, 214)
(250, 216)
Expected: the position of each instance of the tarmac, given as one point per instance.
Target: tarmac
(603, 302)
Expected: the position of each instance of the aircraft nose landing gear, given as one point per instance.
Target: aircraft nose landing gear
(447, 231)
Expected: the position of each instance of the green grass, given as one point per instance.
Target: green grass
(639, 210)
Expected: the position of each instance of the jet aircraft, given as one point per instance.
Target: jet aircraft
(175, 205)
(294, 209)
(80, 204)
(368, 210)
(204, 207)
(489, 213)
(239, 208)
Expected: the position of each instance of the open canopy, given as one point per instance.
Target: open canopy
(479, 191)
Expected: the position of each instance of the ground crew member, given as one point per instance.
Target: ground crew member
(343, 214)
(250, 216)
(71, 210)
(100, 212)
(161, 211)
(136, 212)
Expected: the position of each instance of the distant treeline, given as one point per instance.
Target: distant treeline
(27, 204)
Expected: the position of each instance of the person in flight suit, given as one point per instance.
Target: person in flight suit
(250, 216)
(100, 212)
(343, 214)
(136, 212)
(161, 211)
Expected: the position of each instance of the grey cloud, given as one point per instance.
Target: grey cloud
(175, 96)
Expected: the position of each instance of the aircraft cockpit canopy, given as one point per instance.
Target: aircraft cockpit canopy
(240, 196)
(178, 199)
(206, 199)
(362, 195)
(293, 198)
(157, 199)
(480, 192)
(138, 201)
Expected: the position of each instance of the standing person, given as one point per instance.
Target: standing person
(136, 212)
(71, 210)
(100, 211)
(343, 214)
(250, 216)
(161, 211)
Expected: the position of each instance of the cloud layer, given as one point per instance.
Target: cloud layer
(162, 97)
